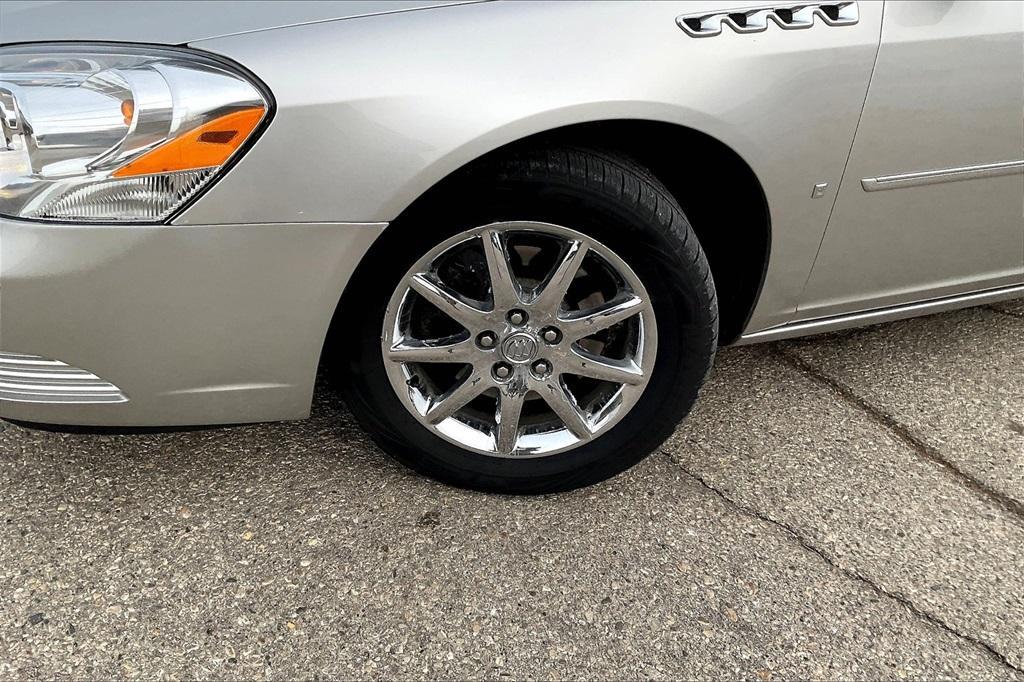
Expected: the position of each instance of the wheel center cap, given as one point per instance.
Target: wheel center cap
(519, 347)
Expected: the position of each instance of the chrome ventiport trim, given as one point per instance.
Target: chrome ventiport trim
(755, 19)
(932, 177)
(891, 314)
(34, 379)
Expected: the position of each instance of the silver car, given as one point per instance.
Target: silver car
(513, 233)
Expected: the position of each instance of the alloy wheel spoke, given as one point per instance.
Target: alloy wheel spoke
(585, 364)
(506, 417)
(455, 399)
(438, 350)
(513, 322)
(446, 300)
(504, 286)
(552, 294)
(578, 325)
(565, 408)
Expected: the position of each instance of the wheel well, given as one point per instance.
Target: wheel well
(719, 193)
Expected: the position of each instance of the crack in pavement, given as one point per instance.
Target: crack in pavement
(1011, 506)
(804, 543)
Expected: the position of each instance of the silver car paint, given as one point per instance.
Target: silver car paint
(220, 318)
(178, 22)
(195, 325)
(947, 92)
(411, 97)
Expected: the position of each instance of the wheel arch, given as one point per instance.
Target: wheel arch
(721, 195)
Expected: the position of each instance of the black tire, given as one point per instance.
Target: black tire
(605, 196)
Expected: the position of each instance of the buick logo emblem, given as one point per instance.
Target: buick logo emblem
(519, 348)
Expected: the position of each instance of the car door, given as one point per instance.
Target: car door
(931, 203)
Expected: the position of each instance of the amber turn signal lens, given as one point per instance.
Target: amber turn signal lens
(127, 111)
(205, 146)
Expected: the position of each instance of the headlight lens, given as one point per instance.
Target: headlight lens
(116, 134)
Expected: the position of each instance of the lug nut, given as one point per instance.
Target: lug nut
(551, 335)
(517, 317)
(486, 340)
(541, 368)
(502, 371)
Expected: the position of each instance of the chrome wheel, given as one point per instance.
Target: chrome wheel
(519, 339)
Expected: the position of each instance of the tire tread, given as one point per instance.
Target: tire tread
(623, 181)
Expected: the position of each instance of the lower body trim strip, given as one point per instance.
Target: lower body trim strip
(860, 319)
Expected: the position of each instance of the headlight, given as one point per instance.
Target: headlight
(104, 133)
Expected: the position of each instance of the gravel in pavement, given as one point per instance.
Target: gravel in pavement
(776, 441)
(954, 381)
(782, 533)
(1014, 307)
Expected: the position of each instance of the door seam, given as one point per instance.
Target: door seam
(846, 165)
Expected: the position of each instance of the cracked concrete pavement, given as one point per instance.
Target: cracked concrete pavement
(846, 506)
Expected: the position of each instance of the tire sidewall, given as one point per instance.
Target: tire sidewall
(657, 253)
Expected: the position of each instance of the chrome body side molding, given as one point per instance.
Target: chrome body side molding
(838, 322)
(932, 177)
(755, 19)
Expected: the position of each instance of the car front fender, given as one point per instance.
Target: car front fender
(373, 112)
